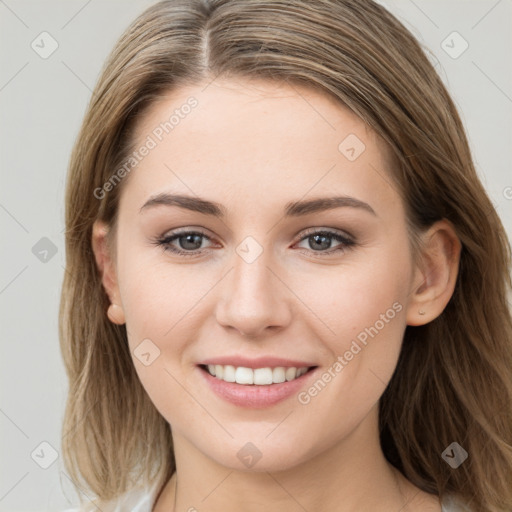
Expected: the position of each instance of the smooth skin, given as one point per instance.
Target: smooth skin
(253, 147)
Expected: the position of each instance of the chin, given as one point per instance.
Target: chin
(259, 457)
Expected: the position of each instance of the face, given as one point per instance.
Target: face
(259, 279)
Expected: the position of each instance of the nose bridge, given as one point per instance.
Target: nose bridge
(252, 297)
(251, 275)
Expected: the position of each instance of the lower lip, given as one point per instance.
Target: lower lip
(254, 396)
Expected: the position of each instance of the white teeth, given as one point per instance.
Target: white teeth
(244, 375)
(229, 373)
(263, 376)
(291, 373)
(258, 376)
(278, 375)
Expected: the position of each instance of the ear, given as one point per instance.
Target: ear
(435, 275)
(106, 267)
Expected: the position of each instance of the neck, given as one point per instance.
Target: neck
(350, 476)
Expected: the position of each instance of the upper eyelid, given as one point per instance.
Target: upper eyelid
(335, 231)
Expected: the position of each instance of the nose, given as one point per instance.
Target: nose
(254, 299)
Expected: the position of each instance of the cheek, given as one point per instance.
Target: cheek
(163, 308)
(159, 301)
(364, 305)
(158, 295)
(365, 294)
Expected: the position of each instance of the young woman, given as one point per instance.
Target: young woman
(286, 287)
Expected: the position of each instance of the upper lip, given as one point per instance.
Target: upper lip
(259, 362)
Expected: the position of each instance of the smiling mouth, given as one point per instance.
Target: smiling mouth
(257, 376)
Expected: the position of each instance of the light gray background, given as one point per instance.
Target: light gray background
(42, 102)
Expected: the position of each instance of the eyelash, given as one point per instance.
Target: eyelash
(165, 241)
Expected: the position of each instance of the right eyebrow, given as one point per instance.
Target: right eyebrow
(190, 203)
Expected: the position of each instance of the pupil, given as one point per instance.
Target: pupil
(190, 238)
(323, 246)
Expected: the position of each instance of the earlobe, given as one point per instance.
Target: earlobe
(434, 281)
(115, 314)
(106, 267)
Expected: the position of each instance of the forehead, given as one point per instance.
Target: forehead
(256, 139)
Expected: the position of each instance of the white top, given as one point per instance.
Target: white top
(144, 499)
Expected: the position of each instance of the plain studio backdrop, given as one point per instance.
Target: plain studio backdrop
(51, 53)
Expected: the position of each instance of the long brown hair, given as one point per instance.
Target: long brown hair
(453, 380)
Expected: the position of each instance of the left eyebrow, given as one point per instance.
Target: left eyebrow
(297, 208)
(292, 209)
